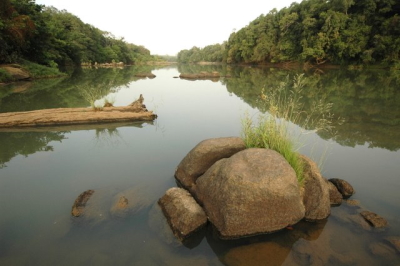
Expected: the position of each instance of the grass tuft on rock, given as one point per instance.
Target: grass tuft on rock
(286, 121)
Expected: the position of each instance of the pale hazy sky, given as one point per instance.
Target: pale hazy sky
(166, 27)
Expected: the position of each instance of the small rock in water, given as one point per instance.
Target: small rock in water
(334, 195)
(183, 213)
(353, 202)
(380, 249)
(395, 241)
(374, 219)
(80, 202)
(343, 186)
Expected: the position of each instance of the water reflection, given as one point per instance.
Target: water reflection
(37, 226)
(67, 91)
(26, 141)
(369, 101)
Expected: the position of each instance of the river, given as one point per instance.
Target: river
(43, 171)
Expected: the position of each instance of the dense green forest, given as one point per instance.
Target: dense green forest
(51, 37)
(314, 32)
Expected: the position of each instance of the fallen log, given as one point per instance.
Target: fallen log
(77, 116)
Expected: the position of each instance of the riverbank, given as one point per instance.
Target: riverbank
(26, 71)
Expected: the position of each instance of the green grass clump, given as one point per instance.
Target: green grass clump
(5, 76)
(286, 121)
(271, 134)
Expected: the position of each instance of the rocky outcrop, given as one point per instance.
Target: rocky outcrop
(80, 203)
(374, 219)
(183, 213)
(203, 155)
(316, 192)
(255, 191)
(343, 186)
(75, 116)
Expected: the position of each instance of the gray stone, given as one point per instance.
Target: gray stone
(316, 192)
(203, 155)
(343, 186)
(183, 213)
(253, 192)
(374, 219)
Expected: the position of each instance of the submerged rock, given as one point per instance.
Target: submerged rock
(343, 186)
(120, 207)
(374, 219)
(316, 192)
(394, 241)
(80, 203)
(203, 155)
(183, 213)
(253, 192)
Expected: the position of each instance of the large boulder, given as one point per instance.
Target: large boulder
(316, 192)
(203, 155)
(183, 213)
(254, 191)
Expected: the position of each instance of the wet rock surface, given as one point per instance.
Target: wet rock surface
(183, 213)
(374, 219)
(334, 195)
(316, 197)
(343, 187)
(80, 203)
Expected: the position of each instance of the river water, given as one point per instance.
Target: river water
(42, 171)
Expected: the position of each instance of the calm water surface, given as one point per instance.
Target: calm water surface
(42, 171)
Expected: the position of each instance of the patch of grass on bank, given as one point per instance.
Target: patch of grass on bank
(40, 71)
(287, 119)
(5, 76)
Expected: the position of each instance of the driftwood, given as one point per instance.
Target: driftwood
(136, 111)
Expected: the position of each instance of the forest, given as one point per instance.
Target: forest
(51, 37)
(341, 32)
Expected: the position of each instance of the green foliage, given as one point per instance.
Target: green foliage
(271, 134)
(5, 76)
(286, 121)
(48, 36)
(316, 32)
(40, 71)
(210, 53)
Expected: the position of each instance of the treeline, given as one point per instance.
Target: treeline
(313, 31)
(48, 36)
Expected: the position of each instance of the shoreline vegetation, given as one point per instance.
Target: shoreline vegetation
(43, 39)
(313, 32)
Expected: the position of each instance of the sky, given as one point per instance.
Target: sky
(166, 27)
